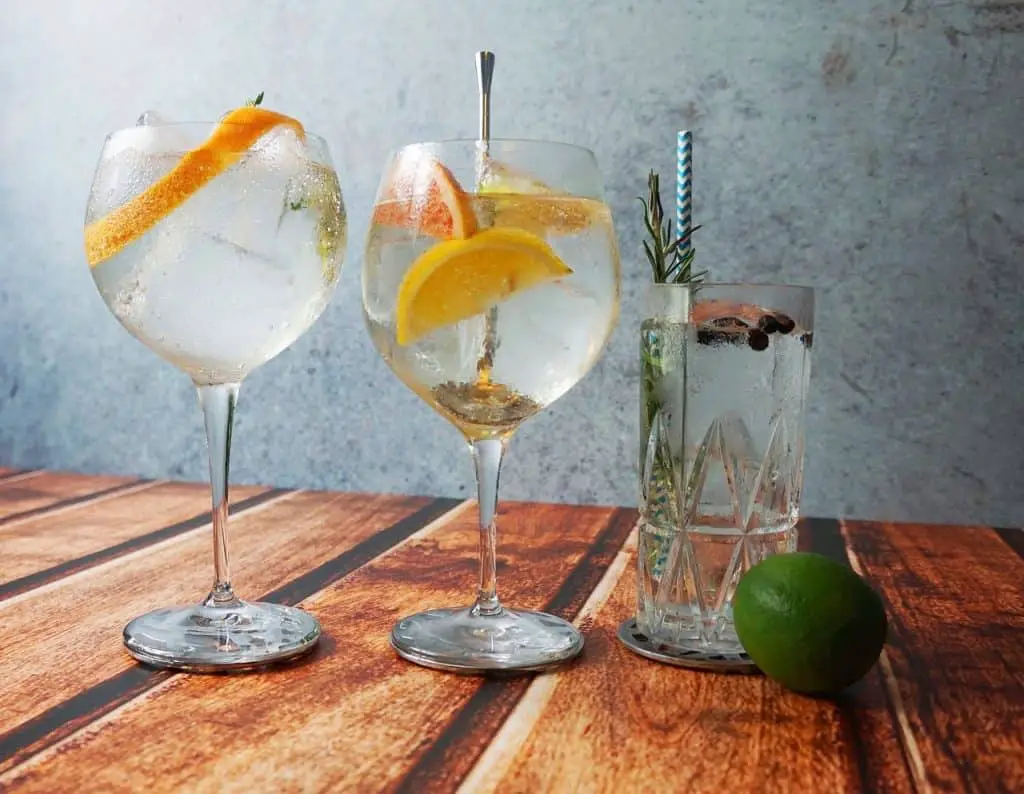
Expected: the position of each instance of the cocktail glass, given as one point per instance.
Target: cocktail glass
(490, 286)
(725, 371)
(217, 245)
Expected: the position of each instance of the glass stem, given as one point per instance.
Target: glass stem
(218, 403)
(487, 457)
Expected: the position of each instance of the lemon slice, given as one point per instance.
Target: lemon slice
(501, 178)
(520, 201)
(239, 130)
(458, 279)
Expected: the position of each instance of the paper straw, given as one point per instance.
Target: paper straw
(684, 186)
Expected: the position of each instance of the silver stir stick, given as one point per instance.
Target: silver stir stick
(484, 75)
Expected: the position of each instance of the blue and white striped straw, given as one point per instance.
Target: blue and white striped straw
(684, 186)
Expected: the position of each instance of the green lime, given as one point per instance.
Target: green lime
(808, 622)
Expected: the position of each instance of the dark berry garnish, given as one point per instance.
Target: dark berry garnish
(808, 339)
(757, 339)
(713, 336)
(785, 322)
(729, 322)
(768, 323)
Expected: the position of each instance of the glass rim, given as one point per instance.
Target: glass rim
(738, 285)
(320, 140)
(538, 142)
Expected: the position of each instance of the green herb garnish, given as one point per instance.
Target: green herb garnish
(249, 103)
(671, 263)
(671, 259)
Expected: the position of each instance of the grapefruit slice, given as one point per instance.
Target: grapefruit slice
(422, 195)
(239, 130)
(458, 279)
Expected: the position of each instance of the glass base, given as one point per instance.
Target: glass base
(207, 639)
(731, 659)
(459, 641)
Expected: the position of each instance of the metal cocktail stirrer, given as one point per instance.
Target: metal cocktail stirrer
(484, 74)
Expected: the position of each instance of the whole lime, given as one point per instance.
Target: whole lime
(808, 622)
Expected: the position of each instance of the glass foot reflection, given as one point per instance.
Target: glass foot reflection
(459, 641)
(221, 639)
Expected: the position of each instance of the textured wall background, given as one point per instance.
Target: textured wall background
(872, 149)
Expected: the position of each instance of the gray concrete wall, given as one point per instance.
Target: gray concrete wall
(872, 149)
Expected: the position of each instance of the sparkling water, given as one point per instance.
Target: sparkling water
(721, 461)
(238, 271)
(546, 337)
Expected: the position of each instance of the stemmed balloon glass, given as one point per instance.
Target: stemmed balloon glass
(490, 286)
(217, 245)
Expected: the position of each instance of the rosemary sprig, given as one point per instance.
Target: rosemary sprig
(671, 259)
(671, 263)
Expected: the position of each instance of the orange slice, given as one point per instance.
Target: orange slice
(239, 130)
(424, 196)
(523, 202)
(458, 279)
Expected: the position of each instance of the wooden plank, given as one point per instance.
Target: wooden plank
(25, 497)
(454, 751)
(355, 717)
(46, 634)
(494, 763)
(621, 723)
(93, 703)
(47, 547)
(866, 711)
(955, 653)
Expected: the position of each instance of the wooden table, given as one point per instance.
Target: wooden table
(80, 555)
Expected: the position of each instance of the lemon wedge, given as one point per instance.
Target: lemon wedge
(458, 279)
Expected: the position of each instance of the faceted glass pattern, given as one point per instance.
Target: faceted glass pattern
(725, 375)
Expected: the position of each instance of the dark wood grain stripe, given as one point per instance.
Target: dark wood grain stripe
(582, 580)
(823, 536)
(16, 474)
(345, 563)
(1014, 538)
(21, 585)
(63, 504)
(867, 698)
(76, 712)
(455, 751)
(59, 722)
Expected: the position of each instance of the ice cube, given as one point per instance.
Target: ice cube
(244, 206)
(150, 118)
(158, 134)
(281, 147)
(152, 134)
